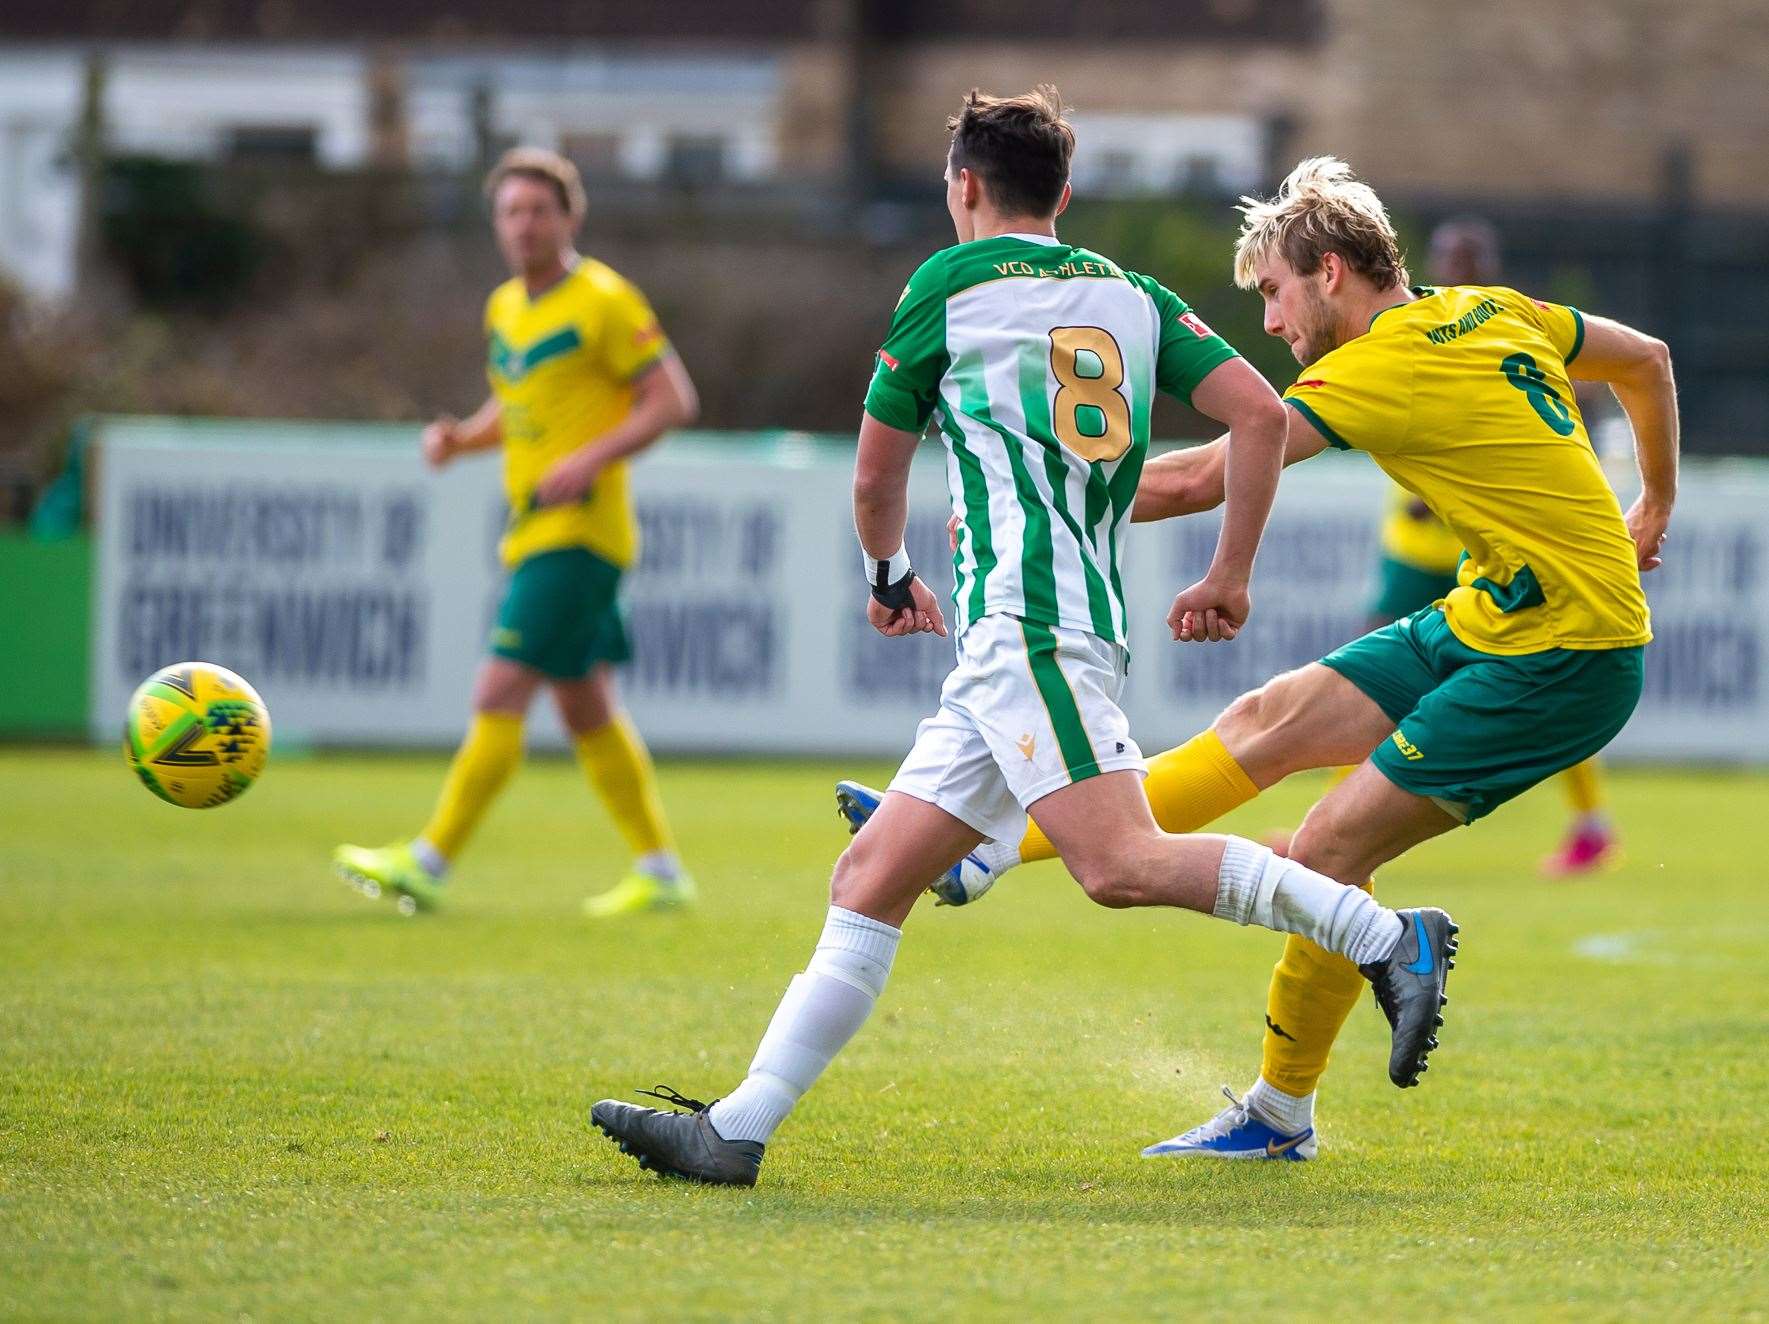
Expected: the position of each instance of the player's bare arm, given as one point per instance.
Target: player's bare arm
(1187, 482)
(1216, 606)
(1637, 368)
(448, 436)
(900, 603)
(1193, 480)
(664, 398)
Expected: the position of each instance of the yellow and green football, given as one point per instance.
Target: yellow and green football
(196, 734)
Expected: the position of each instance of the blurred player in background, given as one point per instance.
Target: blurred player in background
(1529, 665)
(582, 380)
(1040, 361)
(1415, 544)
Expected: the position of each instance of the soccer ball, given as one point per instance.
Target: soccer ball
(196, 734)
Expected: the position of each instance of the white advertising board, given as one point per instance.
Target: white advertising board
(355, 590)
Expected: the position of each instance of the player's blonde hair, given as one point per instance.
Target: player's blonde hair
(544, 167)
(1321, 208)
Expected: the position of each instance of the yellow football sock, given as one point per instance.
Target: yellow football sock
(619, 767)
(482, 765)
(1584, 788)
(1312, 992)
(1187, 787)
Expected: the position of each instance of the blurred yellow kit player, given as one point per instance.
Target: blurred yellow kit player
(582, 379)
(1419, 558)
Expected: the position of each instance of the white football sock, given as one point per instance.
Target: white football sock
(998, 856)
(434, 861)
(822, 1009)
(1284, 1111)
(1256, 886)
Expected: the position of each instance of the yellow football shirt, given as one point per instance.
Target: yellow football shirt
(562, 364)
(1415, 537)
(1463, 398)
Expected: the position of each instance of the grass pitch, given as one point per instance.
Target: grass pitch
(229, 1086)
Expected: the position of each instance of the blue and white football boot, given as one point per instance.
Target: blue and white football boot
(1235, 1133)
(960, 885)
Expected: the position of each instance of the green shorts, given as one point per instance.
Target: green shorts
(561, 614)
(1405, 589)
(1474, 729)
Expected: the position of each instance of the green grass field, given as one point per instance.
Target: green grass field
(231, 1087)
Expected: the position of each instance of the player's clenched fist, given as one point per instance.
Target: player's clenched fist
(1210, 611)
(921, 615)
(570, 479)
(439, 442)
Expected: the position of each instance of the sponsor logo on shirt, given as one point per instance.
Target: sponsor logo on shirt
(1196, 325)
(1482, 312)
(889, 362)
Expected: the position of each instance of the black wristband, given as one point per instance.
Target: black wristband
(895, 597)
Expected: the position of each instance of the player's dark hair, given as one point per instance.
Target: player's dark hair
(543, 167)
(1019, 146)
(1477, 234)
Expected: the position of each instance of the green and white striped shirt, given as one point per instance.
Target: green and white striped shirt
(1040, 361)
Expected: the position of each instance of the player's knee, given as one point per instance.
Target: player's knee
(1257, 725)
(504, 689)
(584, 708)
(1245, 718)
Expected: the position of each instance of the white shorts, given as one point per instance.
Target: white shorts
(1028, 710)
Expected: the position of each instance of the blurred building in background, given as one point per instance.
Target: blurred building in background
(251, 173)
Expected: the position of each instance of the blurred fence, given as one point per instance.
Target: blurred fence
(1697, 280)
(363, 298)
(354, 589)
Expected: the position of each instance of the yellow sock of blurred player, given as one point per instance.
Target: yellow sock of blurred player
(1312, 992)
(1584, 788)
(1187, 787)
(619, 767)
(482, 765)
